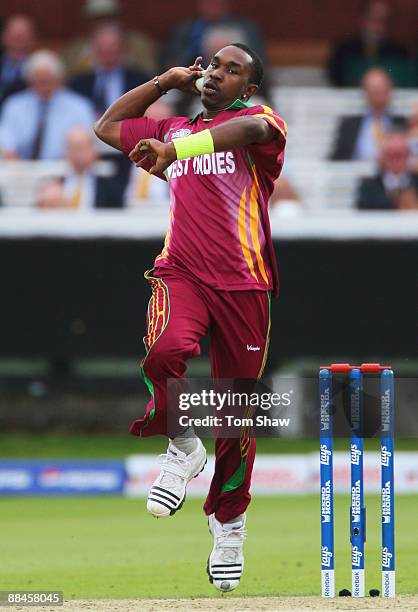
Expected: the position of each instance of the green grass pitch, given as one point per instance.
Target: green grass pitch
(111, 547)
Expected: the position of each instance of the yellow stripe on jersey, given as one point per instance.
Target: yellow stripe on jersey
(272, 120)
(242, 232)
(254, 226)
(270, 111)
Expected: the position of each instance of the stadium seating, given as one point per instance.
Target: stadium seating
(20, 180)
(312, 115)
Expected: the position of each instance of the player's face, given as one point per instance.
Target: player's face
(227, 78)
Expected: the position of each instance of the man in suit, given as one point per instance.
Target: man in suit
(83, 188)
(394, 187)
(34, 123)
(110, 77)
(140, 47)
(371, 46)
(18, 41)
(107, 81)
(359, 137)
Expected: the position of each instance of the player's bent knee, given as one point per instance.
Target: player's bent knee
(167, 359)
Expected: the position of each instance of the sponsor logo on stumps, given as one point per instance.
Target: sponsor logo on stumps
(385, 408)
(326, 556)
(356, 502)
(386, 557)
(356, 583)
(325, 454)
(325, 410)
(356, 556)
(326, 502)
(386, 503)
(385, 456)
(355, 454)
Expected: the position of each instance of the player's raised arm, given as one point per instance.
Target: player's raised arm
(135, 102)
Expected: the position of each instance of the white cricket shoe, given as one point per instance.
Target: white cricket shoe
(168, 491)
(226, 561)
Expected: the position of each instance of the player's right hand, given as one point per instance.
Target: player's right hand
(182, 78)
(161, 154)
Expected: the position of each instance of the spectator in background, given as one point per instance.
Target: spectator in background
(359, 137)
(35, 122)
(110, 77)
(140, 51)
(371, 46)
(186, 42)
(18, 42)
(82, 188)
(395, 187)
(412, 135)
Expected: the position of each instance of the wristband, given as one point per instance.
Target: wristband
(194, 145)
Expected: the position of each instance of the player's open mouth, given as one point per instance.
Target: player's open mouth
(210, 88)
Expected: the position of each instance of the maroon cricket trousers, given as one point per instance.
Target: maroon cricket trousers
(181, 311)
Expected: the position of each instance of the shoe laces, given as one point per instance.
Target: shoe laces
(229, 543)
(174, 470)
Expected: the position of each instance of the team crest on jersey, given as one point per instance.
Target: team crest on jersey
(181, 133)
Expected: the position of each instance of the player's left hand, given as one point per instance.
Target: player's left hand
(151, 149)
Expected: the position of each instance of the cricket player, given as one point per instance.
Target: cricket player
(215, 273)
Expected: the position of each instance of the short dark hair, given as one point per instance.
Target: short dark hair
(257, 73)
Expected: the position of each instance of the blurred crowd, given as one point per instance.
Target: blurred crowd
(49, 101)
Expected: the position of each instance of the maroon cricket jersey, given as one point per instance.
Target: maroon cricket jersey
(219, 226)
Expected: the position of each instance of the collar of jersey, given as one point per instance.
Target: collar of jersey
(235, 105)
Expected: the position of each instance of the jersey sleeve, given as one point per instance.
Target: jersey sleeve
(134, 130)
(269, 156)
